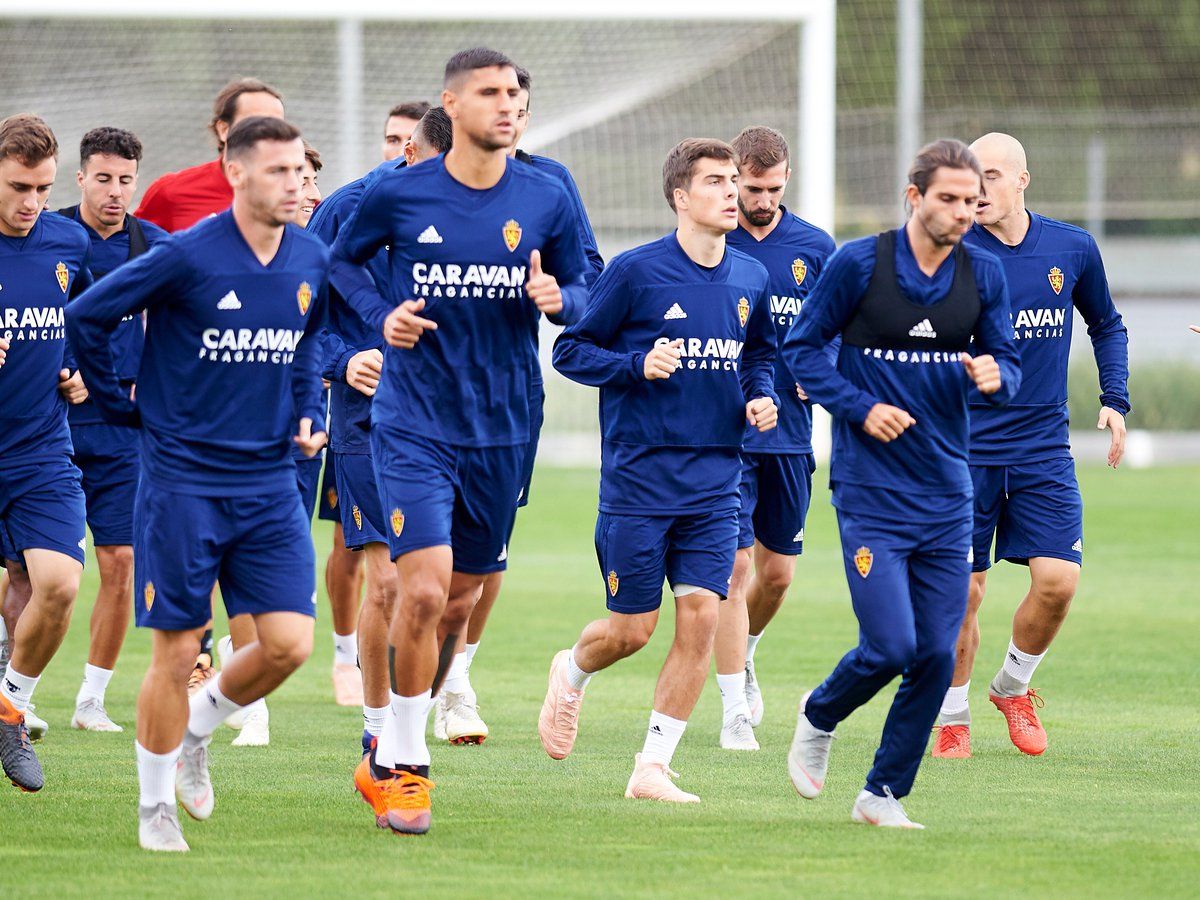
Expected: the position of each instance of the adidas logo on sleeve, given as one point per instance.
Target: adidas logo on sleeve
(923, 329)
(229, 301)
(429, 236)
(675, 312)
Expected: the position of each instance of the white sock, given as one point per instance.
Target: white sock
(662, 737)
(1020, 666)
(954, 704)
(18, 688)
(403, 738)
(207, 709)
(156, 776)
(733, 695)
(373, 718)
(95, 683)
(470, 650)
(345, 649)
(576, 676)
(457, 681)
(751, 645)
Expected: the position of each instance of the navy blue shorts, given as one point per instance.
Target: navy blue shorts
(358, 501)
(637, 553)
(109, 458)
(776, 490)
(258, 549)
(308, 475)
(435, 494)
(537, 418)
(1034, 510)
(42, 508)
(328, 511)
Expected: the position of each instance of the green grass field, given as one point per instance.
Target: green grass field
(1109, 810)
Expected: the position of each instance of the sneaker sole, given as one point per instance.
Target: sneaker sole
(23, 789)
(467, 740)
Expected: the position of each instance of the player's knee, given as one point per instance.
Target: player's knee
(975, 594)
(422, 602)
(116, 566)
(895, 655)
(1057, 590)
(287, 655)
(631, 636)
(776, 575)
(58, 592)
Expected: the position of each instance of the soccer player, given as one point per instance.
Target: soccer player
(777, 465)
(456, 717)
(43, 262)
(401, 123)
(679, 339)
(907, 305)
(481, 246)
(354, 376)
(108, 455)
(179, 200)
(1026, 494)
(231, 360)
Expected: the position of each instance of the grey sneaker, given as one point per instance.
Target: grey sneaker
(884, 811)
(808, 759)
(16, 750)
(158, 829)
(192, 784)
(91, 716)
(738, 734)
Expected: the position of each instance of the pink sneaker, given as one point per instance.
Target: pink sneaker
(347, 685)
(558, 724)
(653, 781)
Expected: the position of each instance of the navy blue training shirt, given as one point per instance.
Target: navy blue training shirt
(927, 464)
(465, 252)
(794, 254)
(672, 446)
(231, 360)
(1056, 267)
(39, 273)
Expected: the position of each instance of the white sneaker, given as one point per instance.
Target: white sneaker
(193, 787)
(738, 734)
(225, 650)
(35, 724)
(885, 811)
(753, 696)
(256, 726)
(808, 759)
(461, 718)
(158, 829)
(439, 716)
(91, 716)
(654, 781)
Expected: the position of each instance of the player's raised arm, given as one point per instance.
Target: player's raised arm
(581, 352)
(822, 318)
(994, 338)
(367, 230)
(137, 285)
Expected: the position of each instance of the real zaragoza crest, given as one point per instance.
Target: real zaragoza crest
(148, 595)
(799, 270)
(304, 297)
(397, 522)
(63, 276)
(357, 513)
(863, 560)
(743, 311)
(1056, 279)
(613, 583)
(512, 234)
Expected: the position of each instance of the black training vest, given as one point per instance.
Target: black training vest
(137, 237)
(886, 319)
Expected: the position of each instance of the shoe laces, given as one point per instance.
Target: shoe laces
(1026, 716)
(462, 704)
(405, 791)
(568, 710)
(740, 725)
(952, 737)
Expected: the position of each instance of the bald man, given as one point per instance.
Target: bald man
(1026, 495)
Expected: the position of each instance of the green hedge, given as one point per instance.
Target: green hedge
(1165, 397)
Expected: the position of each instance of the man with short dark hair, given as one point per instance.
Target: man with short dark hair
(777, 466)
(43, 263)
(179, 200)
(231, 361)
(678, 338)
(401, 123)
(468, 233)
(108, 455)
(909, 305)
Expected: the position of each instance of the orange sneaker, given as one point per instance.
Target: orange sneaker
(1024, 728)
(347, 685)
(558, 724)
(400, 802)
(952, 742)
(201, 674)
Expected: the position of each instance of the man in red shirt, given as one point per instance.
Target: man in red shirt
(179, 200)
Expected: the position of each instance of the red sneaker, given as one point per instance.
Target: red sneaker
(1024, 728)
(953, 742)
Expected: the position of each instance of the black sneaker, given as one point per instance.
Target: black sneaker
(16, 751)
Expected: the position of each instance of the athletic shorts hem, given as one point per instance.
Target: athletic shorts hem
(72, 550)
(486, 569)
(1065, 555)
(110, 539)
(303, 607)
(794, 550)
(419, 545)
(981, 566)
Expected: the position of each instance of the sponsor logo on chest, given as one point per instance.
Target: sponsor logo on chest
(33, 323)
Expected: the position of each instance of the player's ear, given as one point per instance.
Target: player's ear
(681, 198)
(1023, 181)
(79, 177)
